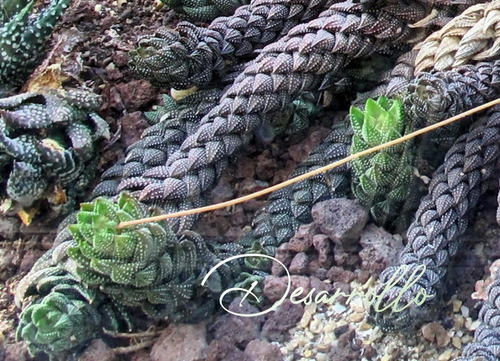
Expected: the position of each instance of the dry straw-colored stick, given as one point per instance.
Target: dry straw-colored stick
(312, 173)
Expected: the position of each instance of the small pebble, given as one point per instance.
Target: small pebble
(434, 332)
(340, 330)
(356, 317)
(458, 321)
(357, 305)
(309, 311)
(446, 355)
(339, 308)
(316, 326)
(473, 325)
(325, 343)
(365, 326)
(321, 356)
(457, 304)
(456, 342)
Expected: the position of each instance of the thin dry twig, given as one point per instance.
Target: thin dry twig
(310, 174)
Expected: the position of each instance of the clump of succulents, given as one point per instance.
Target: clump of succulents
(23, 38)
(66, 315)
(204, 10)
(47, 145)
(141, 266)
(60, 321)
(103, 273)
(381, 181)
(146, 265)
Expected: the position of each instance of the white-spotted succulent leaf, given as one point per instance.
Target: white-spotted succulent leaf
(204, 10)
(65, 315)
(61, 320)
(24, 38)
(382, 180)
(48, 144)
(146, 265)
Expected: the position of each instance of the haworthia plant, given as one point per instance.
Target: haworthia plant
(381, 181)
(67, 315)
(23, 38)
(204, 10)
(142, 269)
(48, 145)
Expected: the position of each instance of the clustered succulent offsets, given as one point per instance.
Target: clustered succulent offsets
(267, 59)
(470, 36)
(47, 145)
(98, 271)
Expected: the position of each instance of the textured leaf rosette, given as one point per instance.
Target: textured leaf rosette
(61, 320)
(64, 314)
(145, 265)
(23, 38)
(382, 180)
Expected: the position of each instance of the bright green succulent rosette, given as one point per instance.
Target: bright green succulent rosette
(382, 180)
(142, 265)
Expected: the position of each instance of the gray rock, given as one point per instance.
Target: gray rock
(9, 227)
(7, 263)
(303, 239)
(341, 219)
(260, 350)
(380, 249)
(299, 264)
(275, 287)
(280, 321)
(220, 350)
(16, 352)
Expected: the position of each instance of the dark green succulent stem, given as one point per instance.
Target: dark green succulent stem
(65, 315)
(24, 40)
(194, 56)
(204, 10)
(8, 8)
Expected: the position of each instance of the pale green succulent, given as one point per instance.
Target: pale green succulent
(141, 265)
(381, 180)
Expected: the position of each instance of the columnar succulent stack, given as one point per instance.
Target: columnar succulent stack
(471, 36)
(303, 48)
(203, 10)
(381, 182)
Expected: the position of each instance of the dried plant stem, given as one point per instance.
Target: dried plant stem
(313, 172)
